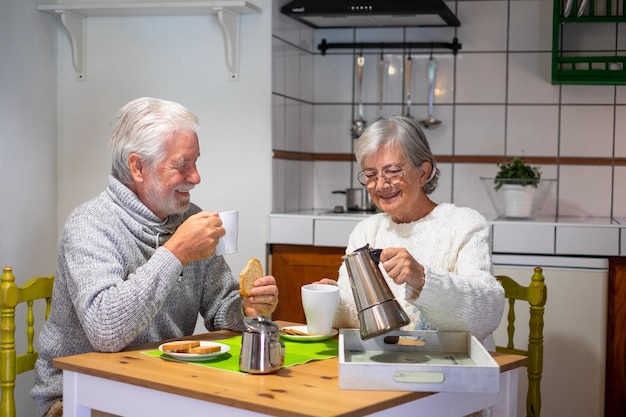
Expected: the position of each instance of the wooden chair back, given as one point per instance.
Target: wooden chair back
(12, 364)
(535, 294)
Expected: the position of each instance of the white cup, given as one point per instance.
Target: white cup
(228, 242)
(320, 304)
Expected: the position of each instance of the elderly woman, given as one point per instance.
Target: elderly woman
(435, 257)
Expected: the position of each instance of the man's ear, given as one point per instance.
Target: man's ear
(136, 167)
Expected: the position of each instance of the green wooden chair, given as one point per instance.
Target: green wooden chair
(12, 364)
(535, 294)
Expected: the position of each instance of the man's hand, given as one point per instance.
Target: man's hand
(197, 237)
(264, 298)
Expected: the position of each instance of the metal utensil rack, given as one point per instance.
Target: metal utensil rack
(454, 45)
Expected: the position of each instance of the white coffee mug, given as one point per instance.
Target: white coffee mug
(320, 304)
(228, 242)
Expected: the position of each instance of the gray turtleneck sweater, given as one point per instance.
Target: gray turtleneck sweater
(117, 286)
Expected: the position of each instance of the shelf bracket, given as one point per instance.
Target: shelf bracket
(74, 24)
(229, 23)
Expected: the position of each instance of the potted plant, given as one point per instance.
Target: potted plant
(517, 180)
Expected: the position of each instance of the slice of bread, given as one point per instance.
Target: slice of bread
(180, 346)
(250, 273)
(205, 349)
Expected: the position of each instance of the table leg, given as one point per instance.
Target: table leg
(71, 407)
(508, 407)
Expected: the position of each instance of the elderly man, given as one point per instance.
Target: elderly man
(137, 263)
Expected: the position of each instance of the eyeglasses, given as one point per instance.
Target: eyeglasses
(391, 175)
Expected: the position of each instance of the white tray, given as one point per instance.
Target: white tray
(428, 361)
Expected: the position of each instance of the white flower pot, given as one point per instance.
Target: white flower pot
(518, 200)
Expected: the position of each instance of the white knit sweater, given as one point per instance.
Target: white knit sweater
(452, 243)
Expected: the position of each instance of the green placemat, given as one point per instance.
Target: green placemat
(296, 353)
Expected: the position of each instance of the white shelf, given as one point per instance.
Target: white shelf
(73, 14)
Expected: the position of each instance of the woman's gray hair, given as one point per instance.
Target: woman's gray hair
(143, 126)
(404, 131)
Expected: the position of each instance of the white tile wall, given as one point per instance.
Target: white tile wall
(621, 92)
(530, 25)
(467, 188)
(483, 25)
(529, 78)
(334, 134)
(479, 129)
(587, 94)
(586, 131)
(532, 130)
(619, 195)
(585, 190)
(481, 78)
(331, 176)
(494, 98)
(620, 131)
(443, 192)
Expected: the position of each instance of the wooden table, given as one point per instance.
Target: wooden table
(130, 383)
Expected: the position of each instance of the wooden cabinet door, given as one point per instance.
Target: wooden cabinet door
(296, 265)
(615, 390)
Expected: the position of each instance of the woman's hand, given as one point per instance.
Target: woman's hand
(402, 267)
(264, 298)
(326, 281)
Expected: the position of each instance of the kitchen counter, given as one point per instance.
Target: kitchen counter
(594, 237)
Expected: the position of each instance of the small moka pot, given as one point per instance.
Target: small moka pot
(261, 350)
(379, 311)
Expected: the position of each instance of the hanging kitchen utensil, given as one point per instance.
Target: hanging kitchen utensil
(381, 81)
(431, 122)
(408, 74)
(359, 123)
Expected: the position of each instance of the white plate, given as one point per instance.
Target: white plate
(312, 338)
(198, 356)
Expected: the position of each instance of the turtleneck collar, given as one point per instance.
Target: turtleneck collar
(131, 204)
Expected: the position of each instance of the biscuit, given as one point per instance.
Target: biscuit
(181, 346)
(205, 349)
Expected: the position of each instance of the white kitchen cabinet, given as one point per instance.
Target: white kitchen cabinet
(582, 240)
(333, 232)
(574, 339)
(73, 13)
(522, 237)
(291, 230)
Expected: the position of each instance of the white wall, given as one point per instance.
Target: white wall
(181, 59)
(28, 230)
(27, 139)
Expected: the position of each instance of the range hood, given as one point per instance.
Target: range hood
(370, 13)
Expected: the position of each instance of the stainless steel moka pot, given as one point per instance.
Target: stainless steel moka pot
(261, 350)
(379, 311)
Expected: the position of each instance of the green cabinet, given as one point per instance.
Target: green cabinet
(574, 62)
